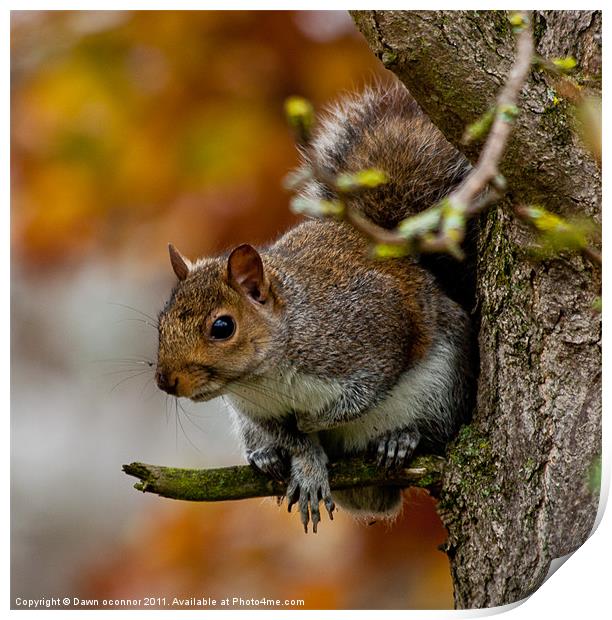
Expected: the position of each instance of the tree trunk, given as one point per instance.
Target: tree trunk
(516, 492)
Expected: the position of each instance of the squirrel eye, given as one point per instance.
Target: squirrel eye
(223, 328)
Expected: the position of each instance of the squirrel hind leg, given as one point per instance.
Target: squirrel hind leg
(370, 502)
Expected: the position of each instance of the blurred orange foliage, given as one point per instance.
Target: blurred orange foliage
(251, 549)
(131, 129)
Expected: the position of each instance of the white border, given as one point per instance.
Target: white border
(581, 585)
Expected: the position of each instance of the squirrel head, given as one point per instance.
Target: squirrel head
(221, 324)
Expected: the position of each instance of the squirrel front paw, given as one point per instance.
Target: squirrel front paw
(270, 461)
(395, 448)
(309, 485)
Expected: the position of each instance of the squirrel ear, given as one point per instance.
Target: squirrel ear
(179, 263)
(246, 272)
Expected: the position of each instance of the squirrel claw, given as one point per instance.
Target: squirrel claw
(308, 501)
(330, 507)
(395, 448)
(293, 493)
(314, 525)
(304, 512)
(309, 486)
(314, 514)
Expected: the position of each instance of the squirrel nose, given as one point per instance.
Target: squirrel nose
(168, 382)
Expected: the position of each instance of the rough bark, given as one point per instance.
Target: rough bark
(516, 492)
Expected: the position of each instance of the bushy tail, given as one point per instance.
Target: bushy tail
(370, 502)
(385, 128)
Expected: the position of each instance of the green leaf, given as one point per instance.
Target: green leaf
(518, 21)
(301, 116)
(480, 127)
(364, 179)
(421, 223)
(565, 64)
(386, 250)
(317, 208)
(508, 113)
(556, 233)
(453, 215)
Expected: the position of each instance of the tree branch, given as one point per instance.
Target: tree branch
(453, 66)
(243, 482)
(441, 227)
(449, 217)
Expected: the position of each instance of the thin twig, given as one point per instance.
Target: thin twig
(487, 167)
(465, 199)
(470, 198)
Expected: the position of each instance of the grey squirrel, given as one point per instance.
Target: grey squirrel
(322, 350)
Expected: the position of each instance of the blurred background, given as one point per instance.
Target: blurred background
(129, 130)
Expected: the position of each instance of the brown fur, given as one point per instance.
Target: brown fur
(315, 312)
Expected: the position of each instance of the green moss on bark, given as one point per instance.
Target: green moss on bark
(243, 482)
(474, 468)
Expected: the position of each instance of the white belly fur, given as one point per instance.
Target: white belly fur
(285, 392)
(422, 395)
